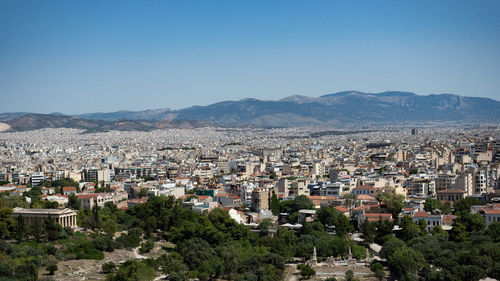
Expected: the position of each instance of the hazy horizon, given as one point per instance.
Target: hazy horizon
(193, 105)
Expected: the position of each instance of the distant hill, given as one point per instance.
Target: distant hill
(350, 107)
(11, 115)
(151, 114)
(338, 109)
(39, 121)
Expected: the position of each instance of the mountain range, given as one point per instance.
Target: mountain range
(333, 110)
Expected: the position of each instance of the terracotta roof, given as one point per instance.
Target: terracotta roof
(138, 200)
(69, 188)
(492, 212)
(341, 209)
(383, 215)
(56, 195)
(365, 197)
(377, 216)
(86, 196)
(448, 218)
(420, 215)
(364, 207)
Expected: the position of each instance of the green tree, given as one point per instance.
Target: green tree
(302, 202)
(406, 263)
(143, 193)
(7, 223)
(73, 202)
(96, 220)
(20, 229)
(53, 229)
(51, 268)
(178, 276)
(378, 270)
(472, 222)
(446, 208)
(459, 232)
(349, 276)
(306, 270)
(195, 251)
(391, 246)
(494, 231)
(394, 203)
(146, 247)
(384, 228)
(409, 229)
(438, 230)
(422, 225)
(264, 227)
(465, 204)
(329, 216)
(37, 230)
(135, 270)
(275, 204)
(369, 231)
(172, 263)
(432, 204)
(108, 267)
(349, 201)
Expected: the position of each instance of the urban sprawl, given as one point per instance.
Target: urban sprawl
(269, 180)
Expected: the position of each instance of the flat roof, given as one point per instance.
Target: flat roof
(43, 211)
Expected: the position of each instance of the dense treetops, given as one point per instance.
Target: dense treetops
(212, 245)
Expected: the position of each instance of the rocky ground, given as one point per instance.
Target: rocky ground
(77, 270)
(362, 273)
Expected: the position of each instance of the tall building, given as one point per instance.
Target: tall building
(260, 199)
(445, 181)
(480, 181)
(37, 178)
(465, 182)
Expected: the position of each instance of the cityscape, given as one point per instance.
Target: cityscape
(220, 141)
(328, 190)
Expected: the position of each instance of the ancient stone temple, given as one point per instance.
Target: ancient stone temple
(64, 217)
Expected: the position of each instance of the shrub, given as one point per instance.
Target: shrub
(108, 267)
(51, 268)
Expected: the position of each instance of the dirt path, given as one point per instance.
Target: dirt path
(77, 270)
(137, 255)
(291, 272)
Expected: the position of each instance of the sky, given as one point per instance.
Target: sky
(103, 56)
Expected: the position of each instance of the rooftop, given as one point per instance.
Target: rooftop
(43, 211)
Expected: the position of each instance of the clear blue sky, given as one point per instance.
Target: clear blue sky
(89, 56)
